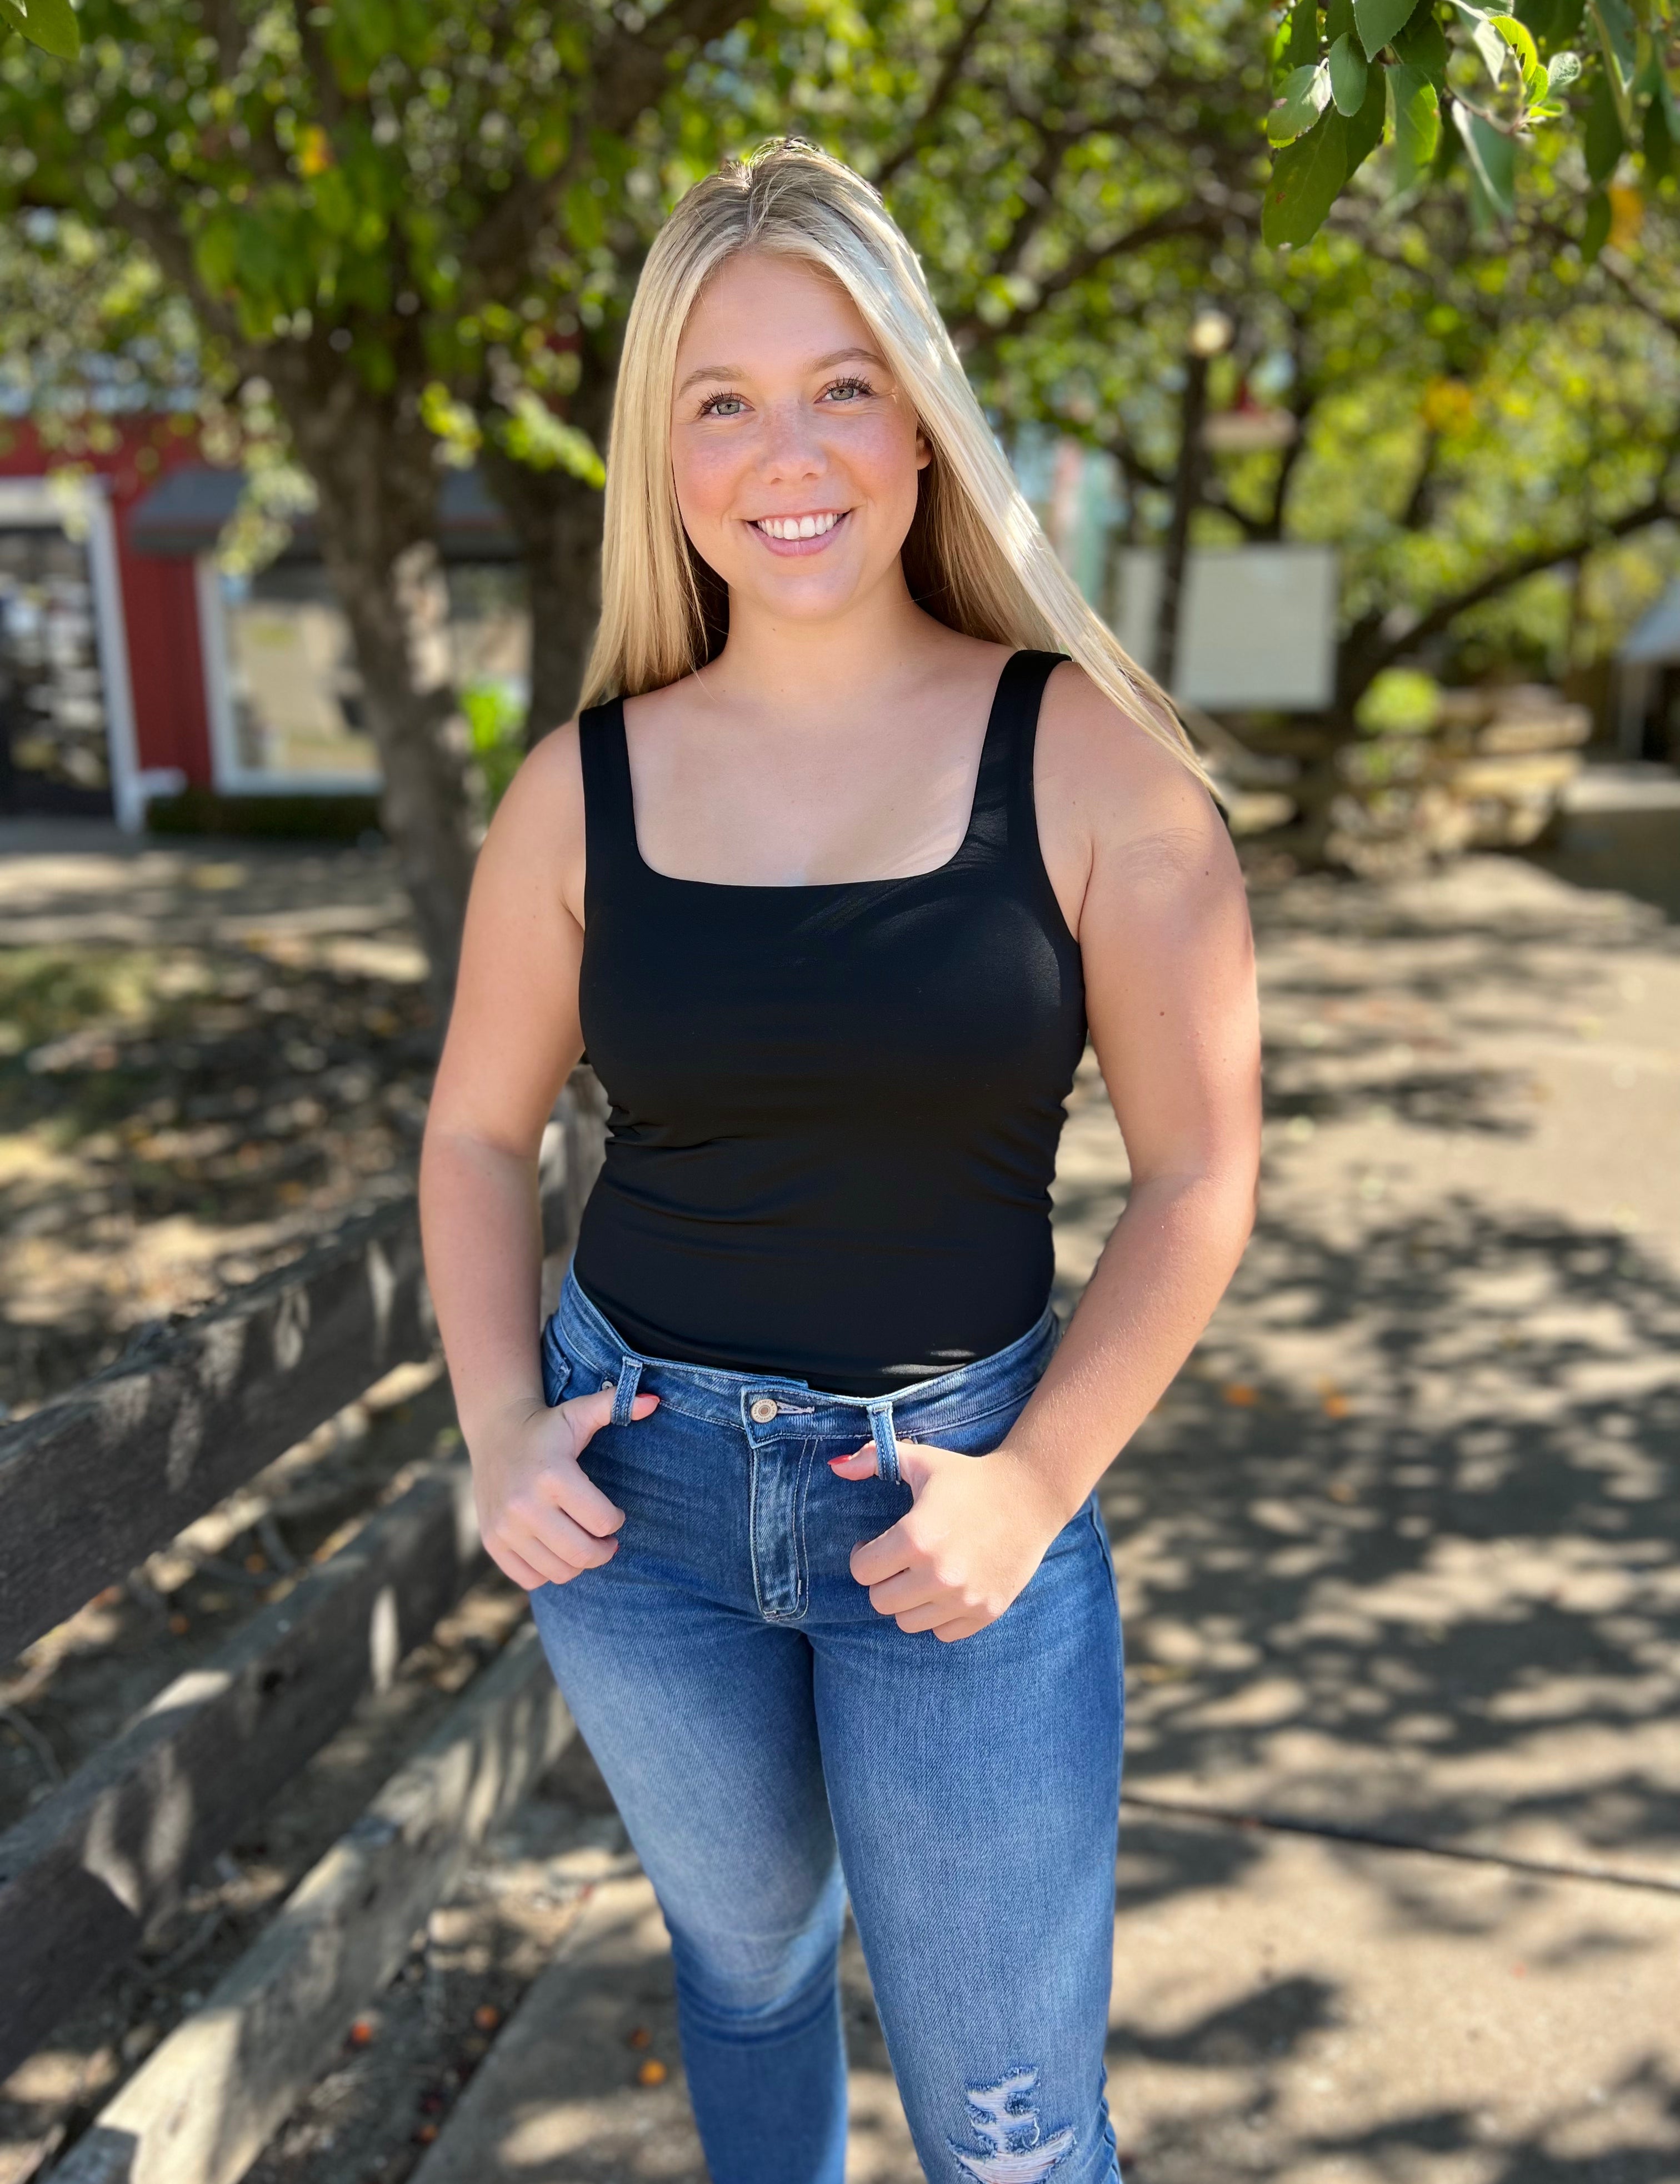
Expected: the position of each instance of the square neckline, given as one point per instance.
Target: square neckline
(987, 743)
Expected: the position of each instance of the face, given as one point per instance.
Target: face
(795, 452)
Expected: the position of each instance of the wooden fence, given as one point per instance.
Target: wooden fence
(92, 1483)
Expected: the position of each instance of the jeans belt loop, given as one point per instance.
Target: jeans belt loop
(880, 1415)
(624, 1394)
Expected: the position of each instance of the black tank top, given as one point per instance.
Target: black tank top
(834, 1109)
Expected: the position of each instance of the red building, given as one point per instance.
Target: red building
(130, 667)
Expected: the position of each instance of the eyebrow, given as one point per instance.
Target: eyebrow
(818, 363)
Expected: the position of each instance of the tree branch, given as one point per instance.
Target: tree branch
(1659, 509)
(626, 75)
(920, 134)
(975, 332)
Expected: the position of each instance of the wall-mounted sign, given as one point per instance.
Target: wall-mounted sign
(1257, 625)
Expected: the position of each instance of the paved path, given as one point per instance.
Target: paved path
(1399, 1900)
(1399, 1566)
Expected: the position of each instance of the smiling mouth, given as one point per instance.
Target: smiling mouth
(794, 529)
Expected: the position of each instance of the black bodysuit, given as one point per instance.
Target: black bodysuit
(835, 1109)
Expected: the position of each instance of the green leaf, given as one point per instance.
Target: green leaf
(1601, 139)
(1618, 34)
(1302, 49)
(1561, 71)
(1306, 93)
(1347, 73)
(1595, 233)
(49, 23)
(1416, 112)
(1493, 159)
(1485, 40)
(1518, 37)
(1381, 21)
(1338, 20)
(1423, 45)
(1554, 22)
(1658, 145)
(1306, 177)
(1364, 128)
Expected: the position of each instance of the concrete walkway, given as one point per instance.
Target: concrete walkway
(1399, 1896)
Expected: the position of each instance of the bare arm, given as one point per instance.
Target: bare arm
(1170, 993)
(513, 1037)
(1150, 884)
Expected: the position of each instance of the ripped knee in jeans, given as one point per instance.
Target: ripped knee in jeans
(1017, 2150)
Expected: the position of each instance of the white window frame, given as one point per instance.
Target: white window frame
(67, 504)
(228, 773)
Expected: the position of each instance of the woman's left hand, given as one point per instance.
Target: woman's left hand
(976, 1532)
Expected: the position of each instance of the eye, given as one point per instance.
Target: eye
(846, 390)
(718, 406)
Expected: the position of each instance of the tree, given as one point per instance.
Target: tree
(1461, 92)
(371, 204)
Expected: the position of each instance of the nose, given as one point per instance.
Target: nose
(790, 448)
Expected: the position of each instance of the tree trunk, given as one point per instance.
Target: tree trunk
(557, 519)
(371, 459)
(1187, 493)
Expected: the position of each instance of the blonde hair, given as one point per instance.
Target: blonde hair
(975, 557)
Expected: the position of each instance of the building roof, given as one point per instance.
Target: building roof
(184, 513)
(1655, 638)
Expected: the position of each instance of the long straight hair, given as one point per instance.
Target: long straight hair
(975, 557)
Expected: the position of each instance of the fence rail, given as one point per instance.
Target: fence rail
(92, 1483)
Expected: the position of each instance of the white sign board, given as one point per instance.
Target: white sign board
(1257, 624)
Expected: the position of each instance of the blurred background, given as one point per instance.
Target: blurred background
(1338, 350)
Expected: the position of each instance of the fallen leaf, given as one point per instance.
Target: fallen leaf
(650, 2073)
(1336, 1405)
(639, 2036)
(1241, 1394)
(1339, 1490)
(361, 2033)
(487, 2017)
(424, 2133)
(179, 1626)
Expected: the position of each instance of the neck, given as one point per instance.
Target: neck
(794, 666)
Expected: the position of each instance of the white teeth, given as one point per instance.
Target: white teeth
(798, 526)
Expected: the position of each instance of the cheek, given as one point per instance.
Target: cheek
(881, 456)
(706, 478)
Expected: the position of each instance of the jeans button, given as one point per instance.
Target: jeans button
(762, 1411)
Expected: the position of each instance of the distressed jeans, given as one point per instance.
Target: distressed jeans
(775, 1745)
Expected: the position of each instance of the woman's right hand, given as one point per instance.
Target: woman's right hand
(541, 1518)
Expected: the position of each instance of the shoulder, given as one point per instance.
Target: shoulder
(536, 836)
(1100, 770)
(1128, 831)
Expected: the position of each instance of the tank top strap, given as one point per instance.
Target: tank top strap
(609, 802)
(1004, 815)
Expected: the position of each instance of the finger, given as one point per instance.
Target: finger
(558, 1536)
(586, 1415)
(575, 1493)
(873, 1561)
(909, 1588)
(514, 1565)
(927, 1615)
(967, 1626)
(862, 1463)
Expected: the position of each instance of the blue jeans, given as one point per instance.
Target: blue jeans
(765, 1732)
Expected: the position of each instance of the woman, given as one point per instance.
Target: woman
(868, 818)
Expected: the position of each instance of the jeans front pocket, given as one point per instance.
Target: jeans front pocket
(556, 1365)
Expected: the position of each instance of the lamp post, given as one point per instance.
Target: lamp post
(1211, 334)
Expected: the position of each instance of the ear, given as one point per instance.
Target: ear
(924, 449)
